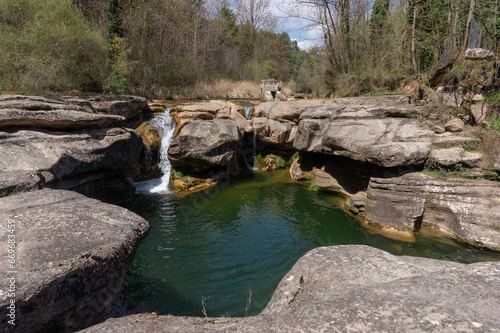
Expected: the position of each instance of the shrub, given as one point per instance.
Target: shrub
(115, 83)
(47, 45)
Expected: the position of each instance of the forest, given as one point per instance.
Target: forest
(161, 48)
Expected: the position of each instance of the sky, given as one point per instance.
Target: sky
(305, 32)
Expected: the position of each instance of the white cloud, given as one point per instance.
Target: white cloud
(298, 21)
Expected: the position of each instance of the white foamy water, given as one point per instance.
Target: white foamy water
(165, 124)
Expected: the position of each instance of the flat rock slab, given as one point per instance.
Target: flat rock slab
(72, 253)
(58, 119)
(356, 288)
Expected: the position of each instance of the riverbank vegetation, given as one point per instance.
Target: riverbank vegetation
(166, 49)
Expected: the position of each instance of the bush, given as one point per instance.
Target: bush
(115, 83)
(47, 45)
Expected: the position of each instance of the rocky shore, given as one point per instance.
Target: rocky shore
(356, 288)
(398, 166)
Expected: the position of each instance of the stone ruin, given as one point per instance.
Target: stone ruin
(271, 90)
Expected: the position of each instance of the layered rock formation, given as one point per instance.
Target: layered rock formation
(362, 147)
(72, 253)
(357, 289)
(69, 143)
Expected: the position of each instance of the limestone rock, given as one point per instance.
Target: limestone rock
(205, 144)
(453, 156)
(357, 203)
(478, 54)
(327, 182)
(127, 106)
(272, 132)
(33, 159)
(463, 208)
(356, 288)
(479, 112)
(57, 119)
(386, 142)
(438, 129)
(454, 125)
(296, 171)
(72, 254)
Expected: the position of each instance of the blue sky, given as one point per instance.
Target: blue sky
(303, 31)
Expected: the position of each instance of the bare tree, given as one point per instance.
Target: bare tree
(469, 22)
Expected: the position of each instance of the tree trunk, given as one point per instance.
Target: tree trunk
(414, 37)
(454, 29)
(469, 22)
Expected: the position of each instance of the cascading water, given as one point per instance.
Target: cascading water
(253, 151)
(248, 110)
(165, 123)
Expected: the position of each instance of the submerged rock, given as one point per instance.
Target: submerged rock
(72, 253)
(357, 288)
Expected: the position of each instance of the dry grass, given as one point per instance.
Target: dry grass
(219, 89)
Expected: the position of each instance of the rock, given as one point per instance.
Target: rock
(357, 203)
(444, 65)
(205, 144)
(272, 132)
(437, 129)
(454, 156)
(357, 288)
(296, 172)
(289, 111)
(57, 119)
(128, 106)
(327, 182)
(478, 54)
(479, 112)
(450, 139)
(33, 159)
(386, 142)
(462, 208)
(491, 148)
(455, 125)
(72, 253)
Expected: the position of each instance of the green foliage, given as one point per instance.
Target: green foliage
(492, 175)
(494, 124)
(280, 161)
(271, 72)
(445, 144)
(115, 83)
(48, 46)
(313, 187)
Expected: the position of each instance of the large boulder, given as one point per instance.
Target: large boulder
(204, 144)
(463, 208)
(95, 161)
(71, 255)
(386, 142)
(356, 288)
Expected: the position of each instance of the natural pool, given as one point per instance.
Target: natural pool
(244, 236)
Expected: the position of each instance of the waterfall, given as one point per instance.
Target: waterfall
(165, 124)
(248, 110)
(253, 143)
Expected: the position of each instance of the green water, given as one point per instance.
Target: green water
(244, 236)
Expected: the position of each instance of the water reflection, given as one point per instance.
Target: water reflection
(246, 236)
